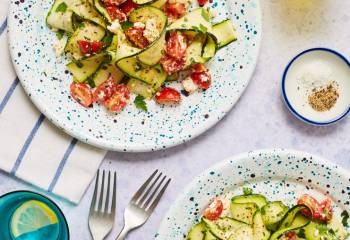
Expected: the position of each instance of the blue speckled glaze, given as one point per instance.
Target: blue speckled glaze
(277, 174)
(132, 130)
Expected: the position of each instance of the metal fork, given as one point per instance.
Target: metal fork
(101, 219)
(143, 203)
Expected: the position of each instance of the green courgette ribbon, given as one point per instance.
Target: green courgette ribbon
(293, 220)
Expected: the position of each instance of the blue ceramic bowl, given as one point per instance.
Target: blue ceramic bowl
(287, 101)
(11, 201)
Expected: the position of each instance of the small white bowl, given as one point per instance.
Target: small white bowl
(296, 101)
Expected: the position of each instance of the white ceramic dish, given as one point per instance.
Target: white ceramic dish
(132, 130)
(338, 69)
(277, 174)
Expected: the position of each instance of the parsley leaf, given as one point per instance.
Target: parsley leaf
(205, 15)
(126, 25)
(345, 218)
(247, 191)
(195, 28)
(107, 39)
(62, 7)
(140, 103)
(203, 28)
(301, 233)
(59, 34)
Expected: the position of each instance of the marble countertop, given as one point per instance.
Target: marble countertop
(259, 120)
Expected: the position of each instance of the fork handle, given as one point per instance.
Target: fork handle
(123, 233)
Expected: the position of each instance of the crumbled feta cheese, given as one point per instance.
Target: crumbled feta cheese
(101, 94)
(139, 25)
(182, 41)
(151, 32)
(114, 27)
(58, 46)
(189, 85)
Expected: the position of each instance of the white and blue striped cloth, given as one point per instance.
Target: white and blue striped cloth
(31, 148)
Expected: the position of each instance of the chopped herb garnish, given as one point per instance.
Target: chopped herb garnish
(301, 233)
(195, 28)
(91, 82)
(203, 28)
(62, 7)
(158, 67)
(107, 39)
(81, 25)
(345, 218)
(205, 15)
(247, 191)
(140, 103)
(126, 25)
(186, 19)
(59, 34)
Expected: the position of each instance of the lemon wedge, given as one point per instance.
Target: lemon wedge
(30, 217)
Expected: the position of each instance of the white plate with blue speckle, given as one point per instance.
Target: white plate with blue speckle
(47, 81)
(277, 174)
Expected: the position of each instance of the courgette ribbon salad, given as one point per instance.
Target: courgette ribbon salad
(118, 47)
(253, 217)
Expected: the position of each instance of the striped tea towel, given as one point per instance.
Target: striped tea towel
(31, 148)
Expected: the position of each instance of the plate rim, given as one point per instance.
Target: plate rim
(239, 158)
(139, 148)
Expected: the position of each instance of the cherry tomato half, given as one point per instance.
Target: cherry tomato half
(119, 100)
(135, 35)
(96, 46)
(128, 6)
(202, 2)
(202, 79)
(176, 45)
(320, 211)
(168, 95)
(115, 13)
(81, 93)
(105, 91)
(84, 46)
(214, 210)
(174, 10)
(172, 65)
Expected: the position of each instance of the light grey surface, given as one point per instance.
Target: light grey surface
(259, 120)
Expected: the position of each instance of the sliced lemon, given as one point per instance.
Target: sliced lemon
(30, 217)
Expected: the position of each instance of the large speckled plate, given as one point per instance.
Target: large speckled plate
(46, 82)
(277, 174)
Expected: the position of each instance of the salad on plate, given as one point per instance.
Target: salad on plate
(121, 47)
(252, 217)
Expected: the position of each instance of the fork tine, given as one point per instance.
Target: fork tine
(160, 194)
(108, 190)
(114, 196)
(93, 201)
(142, 188)
(100, 201)
(153, 193)
(145, 195)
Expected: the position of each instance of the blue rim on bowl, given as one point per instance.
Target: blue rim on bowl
(64, 232)
(289, 105)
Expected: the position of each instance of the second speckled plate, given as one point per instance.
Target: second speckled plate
(277, 174)
(47, 84)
